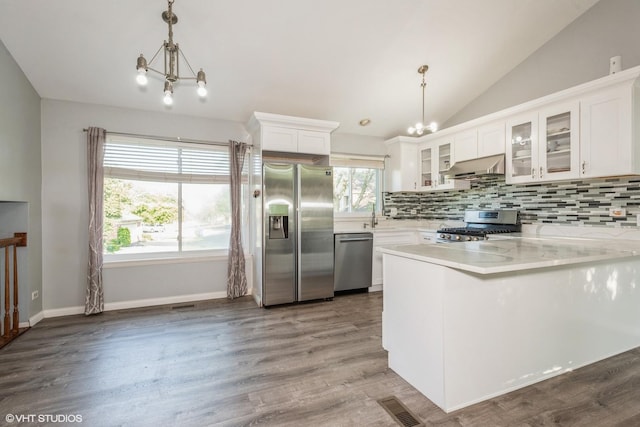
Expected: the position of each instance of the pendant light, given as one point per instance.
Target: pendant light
(172, 55)
(420, 128)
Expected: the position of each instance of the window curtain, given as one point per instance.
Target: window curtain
(94, 302)
(236, 277)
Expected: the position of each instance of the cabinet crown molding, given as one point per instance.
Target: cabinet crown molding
(258, 119)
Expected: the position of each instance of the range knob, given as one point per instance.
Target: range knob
(443, 236)
(457, 237)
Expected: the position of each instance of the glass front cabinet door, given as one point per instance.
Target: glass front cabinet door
(559, 142)
(543, 146)
(425, 153)
(521, 149)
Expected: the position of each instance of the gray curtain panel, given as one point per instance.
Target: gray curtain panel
(94, 302)
(237, 279)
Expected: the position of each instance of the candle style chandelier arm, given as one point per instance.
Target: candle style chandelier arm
(172, 55)
(420, 128)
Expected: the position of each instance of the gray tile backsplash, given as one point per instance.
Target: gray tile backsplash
(570, 202)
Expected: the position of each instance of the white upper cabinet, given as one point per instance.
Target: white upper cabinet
(280, 139)
(522, 148)
(466, 145)
(401, 169)
(273, 132)
(559, 150)
(314, 142)
(434, 160)
(606, 143)
(481, 141)
(491, 139)
(543, 145)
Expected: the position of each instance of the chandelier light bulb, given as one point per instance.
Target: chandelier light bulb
(411, 130)
(141, 78)
(202, 90)
(201, 79)
(168, 91)
(419, 126)
(433, 126)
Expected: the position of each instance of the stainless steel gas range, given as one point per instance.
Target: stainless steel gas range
(480, 224)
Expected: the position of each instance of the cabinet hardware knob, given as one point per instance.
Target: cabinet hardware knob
(533, 172)
(584, 166)
(540, 171)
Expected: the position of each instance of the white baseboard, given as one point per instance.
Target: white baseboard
(123, 305)
(33, 320)
(66, 311)
(162, 301)
(257, 299)
(375, 288)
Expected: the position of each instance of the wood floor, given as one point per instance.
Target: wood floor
(230, 363)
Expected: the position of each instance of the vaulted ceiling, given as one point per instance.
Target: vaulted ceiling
(341, 60)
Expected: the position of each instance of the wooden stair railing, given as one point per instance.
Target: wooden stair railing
(10, 324)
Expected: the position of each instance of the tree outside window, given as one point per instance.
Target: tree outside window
(356, 189)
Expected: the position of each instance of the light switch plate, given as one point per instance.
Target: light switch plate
(617, 212)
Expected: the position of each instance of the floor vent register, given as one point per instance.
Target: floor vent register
(399, 412)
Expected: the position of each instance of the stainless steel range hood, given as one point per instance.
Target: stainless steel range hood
(471, 169)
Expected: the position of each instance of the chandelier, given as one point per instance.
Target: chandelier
(420, 128)
(172, 55)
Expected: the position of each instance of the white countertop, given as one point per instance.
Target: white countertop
(516, 253)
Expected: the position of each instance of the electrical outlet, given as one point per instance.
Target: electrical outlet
(34, 295)
(617, 212)
(414, 212)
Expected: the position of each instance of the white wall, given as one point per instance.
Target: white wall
(64, 208)
(20, 174)
(578, 54)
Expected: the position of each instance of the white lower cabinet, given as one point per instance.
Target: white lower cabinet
(391, 238)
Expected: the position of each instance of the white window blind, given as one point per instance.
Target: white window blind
(150, 160)
(357, 161)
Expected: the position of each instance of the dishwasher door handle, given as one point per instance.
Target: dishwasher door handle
(358, 239)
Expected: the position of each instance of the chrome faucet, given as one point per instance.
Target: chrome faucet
(373, 221)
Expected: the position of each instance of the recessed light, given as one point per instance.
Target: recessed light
(364, 122)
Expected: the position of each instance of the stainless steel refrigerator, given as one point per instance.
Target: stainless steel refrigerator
(298, 233)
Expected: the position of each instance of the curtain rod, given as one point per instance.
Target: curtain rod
(167, 138)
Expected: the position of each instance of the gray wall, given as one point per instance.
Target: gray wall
(578, 54)
(65, 217)
(20, 173)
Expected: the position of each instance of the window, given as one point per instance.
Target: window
(357, 185)
(165, 197)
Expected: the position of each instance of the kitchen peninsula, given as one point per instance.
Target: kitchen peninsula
(464, 322)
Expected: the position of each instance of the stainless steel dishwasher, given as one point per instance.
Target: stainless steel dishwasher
(353, 256)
